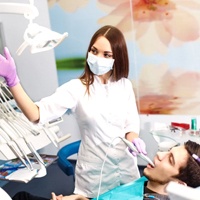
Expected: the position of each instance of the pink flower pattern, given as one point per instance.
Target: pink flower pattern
(159, 22)
(171, 91)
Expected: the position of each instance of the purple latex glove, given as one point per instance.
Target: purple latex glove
(140, 146)
(8, 68)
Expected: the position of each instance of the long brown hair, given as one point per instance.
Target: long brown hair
(120, 54)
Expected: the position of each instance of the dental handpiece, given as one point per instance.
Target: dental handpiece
(141, 155)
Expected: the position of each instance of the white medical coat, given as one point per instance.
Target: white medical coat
(108, 112)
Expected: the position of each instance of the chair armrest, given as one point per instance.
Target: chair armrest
(64, 153)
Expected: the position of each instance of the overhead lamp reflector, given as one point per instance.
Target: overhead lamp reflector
(40, 39)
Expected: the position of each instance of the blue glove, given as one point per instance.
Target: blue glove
(140, 146)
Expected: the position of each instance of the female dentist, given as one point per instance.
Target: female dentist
(104, 105)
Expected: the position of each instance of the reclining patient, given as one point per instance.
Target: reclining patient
(177, 165)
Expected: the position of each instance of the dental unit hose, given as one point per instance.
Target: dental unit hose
(130, 145)
(141, 155)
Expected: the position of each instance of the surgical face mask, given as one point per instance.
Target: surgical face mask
(99, 65)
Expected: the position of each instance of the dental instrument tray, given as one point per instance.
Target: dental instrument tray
(15, 170)
(20, 137)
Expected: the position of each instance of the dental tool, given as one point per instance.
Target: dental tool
(141, 155)
(51, 132)
(26, 124)
(9, 129)
(50, 136)
(33, 150)
(12, 113)
(27, 141)
(12, 146)
(22, 134)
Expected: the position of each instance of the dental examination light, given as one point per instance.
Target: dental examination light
(37, 37)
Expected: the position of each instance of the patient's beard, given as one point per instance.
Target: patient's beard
(157, 180)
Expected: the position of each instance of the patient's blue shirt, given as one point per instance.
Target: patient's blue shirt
(131, 191)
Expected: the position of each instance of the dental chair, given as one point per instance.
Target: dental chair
(63, 157)
(180, 192)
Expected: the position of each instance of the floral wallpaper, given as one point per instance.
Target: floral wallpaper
(163, 39)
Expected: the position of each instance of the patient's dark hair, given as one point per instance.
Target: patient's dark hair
(190, 174)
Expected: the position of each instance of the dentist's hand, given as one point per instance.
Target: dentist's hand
(140, 146)
(8, 68)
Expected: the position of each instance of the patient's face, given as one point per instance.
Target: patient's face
(167, 165)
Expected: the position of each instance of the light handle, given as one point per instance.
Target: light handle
(28, 10)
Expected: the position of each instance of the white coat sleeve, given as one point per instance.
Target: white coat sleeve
(65, 97)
